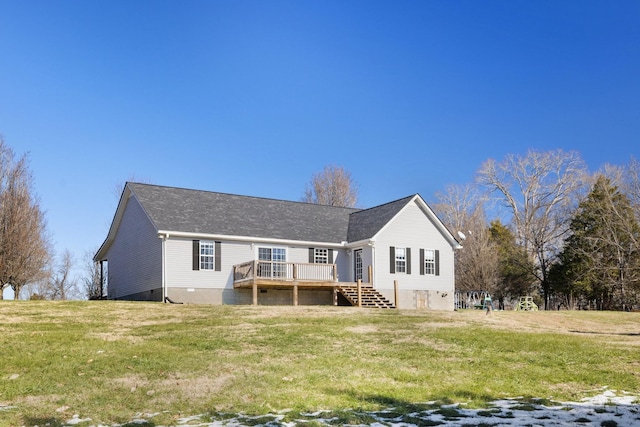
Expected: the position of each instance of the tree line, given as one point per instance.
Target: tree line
(536, 224)
(541, 225)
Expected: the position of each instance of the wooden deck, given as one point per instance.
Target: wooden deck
(284, 275)
(295, 276)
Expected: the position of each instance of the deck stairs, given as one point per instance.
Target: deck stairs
(370, 297)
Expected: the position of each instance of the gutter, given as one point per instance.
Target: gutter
(164, 234)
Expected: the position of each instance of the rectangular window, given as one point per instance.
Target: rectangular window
(429, 261)
(207, 255)
(401, 260)
(321, 256)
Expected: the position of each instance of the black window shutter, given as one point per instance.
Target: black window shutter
(392, 259)
(218, 255)
(408, 260)
(312, 257)
(196, 254)
(330, 256)
(422, 262)
(437, 263)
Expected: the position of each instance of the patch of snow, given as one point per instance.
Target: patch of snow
(608, 407)
(77, 420)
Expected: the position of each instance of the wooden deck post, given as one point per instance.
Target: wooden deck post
(295, 295)
(359, 292)
(395, 293)
(371, 275)
(255, 293)
(335, 296)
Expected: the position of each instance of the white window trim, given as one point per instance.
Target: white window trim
(321, 256)
(430, 262)
(401, 260)
(207, 260)
(258, 247)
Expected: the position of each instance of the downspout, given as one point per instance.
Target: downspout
(164, 238)
(101, 279)
(373, 262)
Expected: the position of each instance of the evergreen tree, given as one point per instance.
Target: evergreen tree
(601, 257)
(515, 268)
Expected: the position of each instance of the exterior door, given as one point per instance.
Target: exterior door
(357, 264)
(274, 265)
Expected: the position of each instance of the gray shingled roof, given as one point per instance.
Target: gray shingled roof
(366, 223)
(195, 211)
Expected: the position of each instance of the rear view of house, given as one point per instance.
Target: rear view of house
(191, 246)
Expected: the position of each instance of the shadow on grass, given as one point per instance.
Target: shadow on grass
(431, 402)
(43, 421)
(56, 422)
(623, 334)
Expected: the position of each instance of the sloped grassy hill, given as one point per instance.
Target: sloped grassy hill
(110, 361)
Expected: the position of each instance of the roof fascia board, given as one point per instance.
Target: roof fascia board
(115, 223)
(168, 234)
(127, 194)
(443, 229)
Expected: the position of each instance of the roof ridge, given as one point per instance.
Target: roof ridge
(244, 196)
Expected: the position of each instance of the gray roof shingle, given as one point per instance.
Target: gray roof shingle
(196, 211)
(366, 223)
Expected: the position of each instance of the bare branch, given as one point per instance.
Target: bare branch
(541, 189)
(333, 186)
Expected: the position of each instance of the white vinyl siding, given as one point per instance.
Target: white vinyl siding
(180, 272)
(412, 229)
(179, 268)
(135, 257)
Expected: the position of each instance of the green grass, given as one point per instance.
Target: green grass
(111, 361)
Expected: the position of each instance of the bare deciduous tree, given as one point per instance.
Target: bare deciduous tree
(476, 265)
(62, 286)
(118, 187)
(627, 179)
(24, 245)
(93, 288)
(456, 205)
(541, 190)
(333, 186)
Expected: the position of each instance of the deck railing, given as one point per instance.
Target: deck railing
(293, 271)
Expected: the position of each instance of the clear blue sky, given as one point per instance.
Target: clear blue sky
(253, 97)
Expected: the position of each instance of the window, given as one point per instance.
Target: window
(321, 256)
(274, 262)
(401, 260)
(429, 261)
(207, 255)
